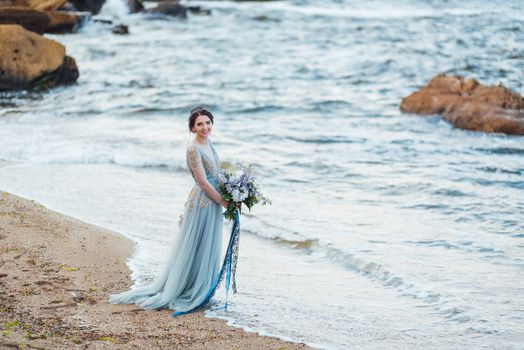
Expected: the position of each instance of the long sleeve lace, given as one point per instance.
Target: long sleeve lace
(194, 160)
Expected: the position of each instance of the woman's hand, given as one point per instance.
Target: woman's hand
(225, 204)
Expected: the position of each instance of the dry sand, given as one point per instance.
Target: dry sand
(56, 273)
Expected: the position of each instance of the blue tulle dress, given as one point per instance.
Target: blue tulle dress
(192, 270)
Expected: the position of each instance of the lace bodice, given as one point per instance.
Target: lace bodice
(202, 167)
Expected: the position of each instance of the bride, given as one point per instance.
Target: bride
(191, 274)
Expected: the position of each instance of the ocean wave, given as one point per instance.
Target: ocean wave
(445, 305)
(122, 161)
(257, 109)
(306, 244)
(500, 170)
(466, 246)
(502, 150)
(326, 139)
(379, 273)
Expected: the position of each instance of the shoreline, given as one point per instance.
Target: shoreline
(56, 273)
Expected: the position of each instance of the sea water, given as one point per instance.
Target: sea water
(387, 230)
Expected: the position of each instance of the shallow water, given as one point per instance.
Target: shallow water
(386, 229)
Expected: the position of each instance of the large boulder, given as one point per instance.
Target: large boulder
(14, 3)
(28, 60)
(467, 104)
(93, 6)
(46, 5)
(62, 22)
(34, 20)
(169, 8)
(135, 6)
(43, 22)
(42, 5)
(487, 118)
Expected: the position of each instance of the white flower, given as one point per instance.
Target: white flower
(236, 195)
(243, 196)
(239, 173)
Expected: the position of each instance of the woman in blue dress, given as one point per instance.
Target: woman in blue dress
(192, 271)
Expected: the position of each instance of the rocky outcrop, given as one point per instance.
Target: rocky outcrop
(135, 6)
(28, 60)
(166, 8)
(487, 118)
(469, 105)
(43, 22)
(41, 5)
(169, 8)
(36, 21)
(15, 3)
(62, 22)
(46, 5)
(199, 10)
(120, 29)
(93, 6)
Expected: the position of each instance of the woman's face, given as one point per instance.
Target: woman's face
(202, 126)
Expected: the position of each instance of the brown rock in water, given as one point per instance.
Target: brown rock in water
(68, 7)
(169, 8)
(62, 22)
(469, 105)
(66, 74)
(15, 3)
(487, 118)
(120, 29)
(198, 10)
(41, 5)
(93, 6)
(135, 6)
(28, 60)
(499, 96)
(30, 19)
(46, 5)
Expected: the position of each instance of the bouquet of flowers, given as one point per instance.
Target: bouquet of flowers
(240, 187)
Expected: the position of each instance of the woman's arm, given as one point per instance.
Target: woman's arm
(194, 159)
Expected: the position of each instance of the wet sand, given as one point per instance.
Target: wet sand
(56, 273)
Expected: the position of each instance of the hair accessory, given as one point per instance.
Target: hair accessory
(198, 109)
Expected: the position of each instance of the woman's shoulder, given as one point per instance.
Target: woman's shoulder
(192, 146)
(192, 150)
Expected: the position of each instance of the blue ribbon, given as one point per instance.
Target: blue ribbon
(228, 269)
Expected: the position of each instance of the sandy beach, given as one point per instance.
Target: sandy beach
(56, 273)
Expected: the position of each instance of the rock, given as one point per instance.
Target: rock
(487, 118)
(46, 5)
(68, 7)
(499, 96)
(41, 5)
(120, 29)
(93, 6)
(30, 19)
(198, 10)
(43, 22)
(15, 3)
(135, 6)
(467, 104)
(103, 21)
(28, 60)
(62, 22)
(169, 8)
(67, 73)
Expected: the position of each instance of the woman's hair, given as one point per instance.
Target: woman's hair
(197, 112)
